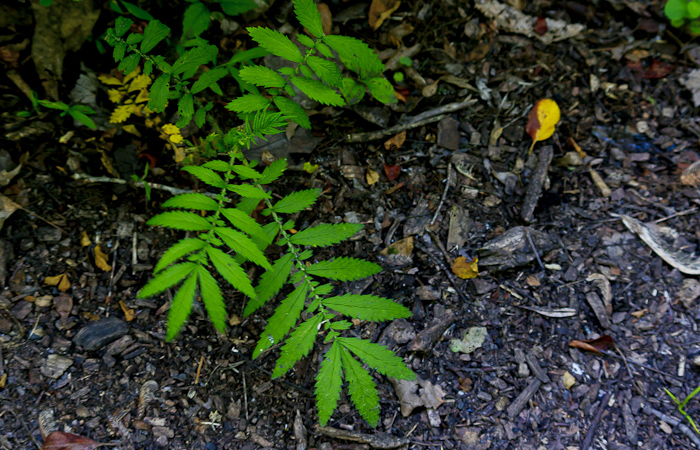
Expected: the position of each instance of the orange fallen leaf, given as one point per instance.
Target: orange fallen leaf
(466, 269)
(101, 259)
(542, 120)
(594, 345)
(380, 10)
(68, 441)
(395, 142)
(61, 281)
(129, 313)
(392, 171)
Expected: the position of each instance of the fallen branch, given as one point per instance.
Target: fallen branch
(162, 187)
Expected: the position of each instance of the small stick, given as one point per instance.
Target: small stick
(594, 425)
(673, 421)
(444, 193)
(199, 369)
(374, 135)
(162, 187)
(534, 249)
(245, 398)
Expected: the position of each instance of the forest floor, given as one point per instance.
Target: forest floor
(556, 233)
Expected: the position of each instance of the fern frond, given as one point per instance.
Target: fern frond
(367, 307)
(362, 389)
(212, 298)
(270, 283)
(298, 345)
(378, 357)
(181, 306)
(325, 234)
(192, 200)
(231, 271)
(328, 383)
(284, 318)
(344, 269)
(180, 220)
(296, 201)
(178, 250)
(167, 278)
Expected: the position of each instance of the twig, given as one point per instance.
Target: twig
(374, 135)
(444, 109)
(534, 249)
(594, 425)
(673, 421)
(162, 187)
(682, 213)
(245, 398)
(199, 369)
(444, 193)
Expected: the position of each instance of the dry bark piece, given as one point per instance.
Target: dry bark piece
(531, 360)
(599, 309)
(522, 399)
(661, 242)
(146, 396)
(689, 292)
(534, 189)
(513, 249)
(691, 175)
(448, 134)
(100, 333)
(603, 284)
(460, 224)
(55, 365)
(425, 340)
(300, 433)
(377, 440)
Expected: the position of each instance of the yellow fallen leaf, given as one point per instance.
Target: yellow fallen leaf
(466, 269)
(542, 120)
(85, 239)
(61, 281)
(129, 313)
(372, 176)
(101, 259)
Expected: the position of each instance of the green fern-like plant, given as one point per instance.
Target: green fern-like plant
(227, 237)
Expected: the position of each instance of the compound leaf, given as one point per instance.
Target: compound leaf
(276, 43)
(328, 383)
(356, 55)
(363, 390)
(169, 277)
(231, 271)
(178, 250)
(181, 306)
(344, 269)
(296, 201)
(192, 200)
(248, 191)
(326, 70)
(326, 234)
(212, 298)
(245, 223)
(218, 165)
(379, 358)
(270, 283)
(180, 220)
(274, 170)
(242, 244)
(367, 307)
(298, 345)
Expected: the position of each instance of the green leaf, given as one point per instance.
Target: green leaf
(180, 220)
(381, 89)
(248, 55)
(352, 91)
(262, 76)
(298, 345)
(139, 13)
(318, 91)
(367, 307)
(328, 383)
(200, 117)
(356, 55)
(284, 318)
(178, 250)
(244, 222)
(134, 38)
(122, 25)
(119, 51)
(153, 34)
(325, 234)
(242, 244)
(379, 358)
(248, 191)
(192, 201)
(273, 171)
(194, 58)
(296, 201)
(231, 271)
(130, 63)
(248, 103)
(324, 50)
(292, 111)
(185, 107)
(82, 118)
(181, 306)
(207, 176)
(158, 94)
(245, 172)
(270, 283)
(326, 70)
(167, 278)
(208, 78)
(196, 20)
(309, 17)
(305, 40)
(362, 389)
(676, 9)
(218, 165)
(276, 43)
(212, 298)
(53, 105)
(236, 7)
(344, 269)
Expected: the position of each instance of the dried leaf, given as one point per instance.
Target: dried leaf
(85, 240)
(101, 259)
(129, 313)
(542, 120)
(540, 26)
(392, 171)
(68, 441)
(395, 142)
(417, 393)
(7, 207)
(380, 10)
(594, 345)
(326, 18)
(466, 269)
(61, 281)
(472, 339)
(372, 176)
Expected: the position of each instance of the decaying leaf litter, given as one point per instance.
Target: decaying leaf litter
(592, 237)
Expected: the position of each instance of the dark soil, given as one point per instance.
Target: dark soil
(620, 87)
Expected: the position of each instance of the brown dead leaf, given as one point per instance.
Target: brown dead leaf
(380, 10)
(61, 281)
(101, 259)
(395, 142)
(392, 171)
(68, 441)
(7, 207)
(326, 18)
(466, 269)
(129, 313)
(594, 345)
